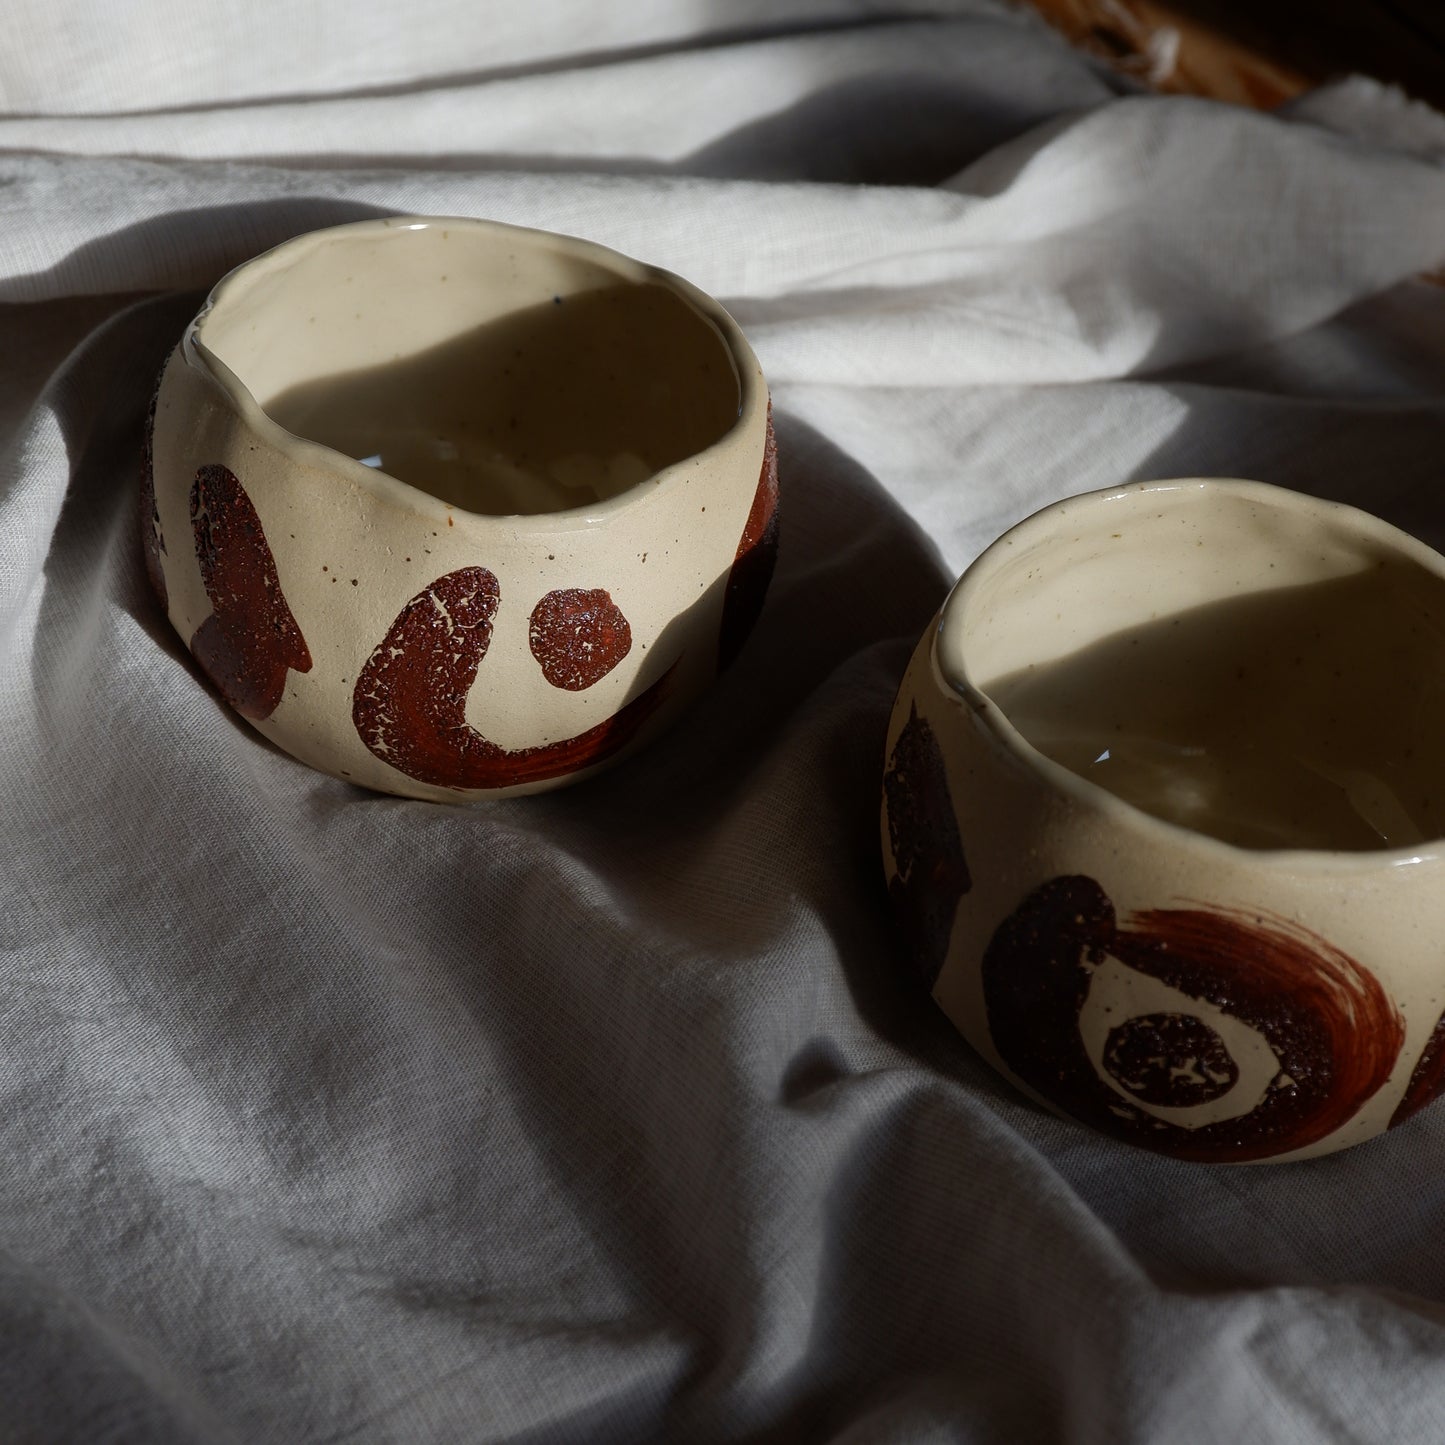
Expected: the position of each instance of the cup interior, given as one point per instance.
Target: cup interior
(503, 371)
(1232, 658)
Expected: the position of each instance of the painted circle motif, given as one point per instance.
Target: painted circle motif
(1326, 1029)
(1170, 1059)
(578, 636)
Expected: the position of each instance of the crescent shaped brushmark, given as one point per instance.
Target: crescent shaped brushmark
(757, 555)
(1328, 1021)
(409, 702)
(932, 871)
(251, 640)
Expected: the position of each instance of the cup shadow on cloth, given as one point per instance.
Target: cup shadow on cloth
(856, 583)
(777, 767)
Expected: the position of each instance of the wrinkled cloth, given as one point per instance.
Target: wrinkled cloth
(617, 1113)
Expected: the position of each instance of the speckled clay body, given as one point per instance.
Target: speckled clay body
(451, 509)
(1224, 942)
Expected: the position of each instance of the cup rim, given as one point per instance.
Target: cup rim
(948, 656)
(231, 291)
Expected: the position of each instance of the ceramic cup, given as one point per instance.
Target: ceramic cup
(451, 509)
(1162, 806)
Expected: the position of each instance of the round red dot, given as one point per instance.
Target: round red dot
(578, 636)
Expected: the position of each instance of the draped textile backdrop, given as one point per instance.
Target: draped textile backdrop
(615, 1114)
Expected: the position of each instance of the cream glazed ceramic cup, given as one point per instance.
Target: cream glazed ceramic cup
(1162, 807)
(451, 509)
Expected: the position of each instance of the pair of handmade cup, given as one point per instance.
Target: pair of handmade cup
(1162, 803)
(453, 509)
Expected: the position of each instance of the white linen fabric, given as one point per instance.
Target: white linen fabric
(616, 1114)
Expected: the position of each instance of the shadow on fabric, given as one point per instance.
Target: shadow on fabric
(895, 130)
(788, 741)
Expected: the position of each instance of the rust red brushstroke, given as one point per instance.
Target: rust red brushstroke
(1428, 1078)
(756, 556)
(409, 703)
(578, 636)
(1330, 1023)
(153, 542)
(923, 832)
(251, 639)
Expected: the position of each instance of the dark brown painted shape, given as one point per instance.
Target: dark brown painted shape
(251, 639)
(1428, 1078)
(1173, 1060)
(409, 703)
(153, 541)
(578, 636)
(1330, 1023)
(923, 832)
(757, 554)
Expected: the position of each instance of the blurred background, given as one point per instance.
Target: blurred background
(1260, 54)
